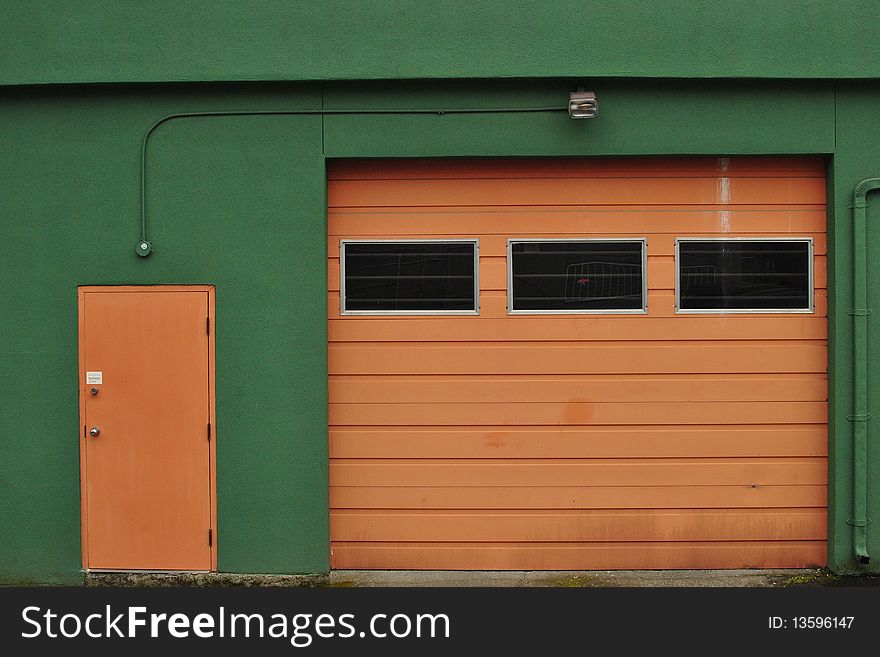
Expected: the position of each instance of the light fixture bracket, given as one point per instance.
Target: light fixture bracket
(583, 105)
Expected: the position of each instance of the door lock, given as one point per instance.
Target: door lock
(94, 432)
(94, 391)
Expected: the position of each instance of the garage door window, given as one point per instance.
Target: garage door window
(409, 277)
(577, 276)
(744, 275)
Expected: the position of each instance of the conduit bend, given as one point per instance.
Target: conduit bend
(860, 417)
(144, 247)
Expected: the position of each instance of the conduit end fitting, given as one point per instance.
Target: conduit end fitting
(143, 248)
(864, 558)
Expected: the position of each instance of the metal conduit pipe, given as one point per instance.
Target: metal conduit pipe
(144, 246)
(860, 415)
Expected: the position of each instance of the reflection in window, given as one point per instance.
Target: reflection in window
(745, 275)
(409, 276)
(577, 276)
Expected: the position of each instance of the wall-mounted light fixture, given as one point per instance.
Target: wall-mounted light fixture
(583, 105)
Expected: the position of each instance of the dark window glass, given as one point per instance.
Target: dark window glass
(408, 276)
(744, 275)
(577, 275)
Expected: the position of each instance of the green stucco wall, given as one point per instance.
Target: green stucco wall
(236, 203)
(857, 156)
(63, 41)
(239, 202)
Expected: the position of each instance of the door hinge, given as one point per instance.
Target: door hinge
(210, 537)
(209, 432)
(208, 325)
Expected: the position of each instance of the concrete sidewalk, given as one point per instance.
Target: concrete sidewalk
(434, 578)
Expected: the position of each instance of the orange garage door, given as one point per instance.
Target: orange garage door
(657, 439)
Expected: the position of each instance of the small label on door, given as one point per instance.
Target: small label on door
(94, 378)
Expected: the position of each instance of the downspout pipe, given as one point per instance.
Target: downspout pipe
(860, 416)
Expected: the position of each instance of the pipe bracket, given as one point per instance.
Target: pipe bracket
(858, 523)
(858, 312)
(859, 417)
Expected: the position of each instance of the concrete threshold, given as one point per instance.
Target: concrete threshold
(567, 579)
(435, 578)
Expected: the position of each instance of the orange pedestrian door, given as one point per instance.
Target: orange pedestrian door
(146, 405)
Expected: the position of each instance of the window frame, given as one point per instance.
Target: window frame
(643, 241)
(476, 245)
(811, 286)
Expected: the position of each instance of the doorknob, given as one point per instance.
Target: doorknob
(94, 432)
